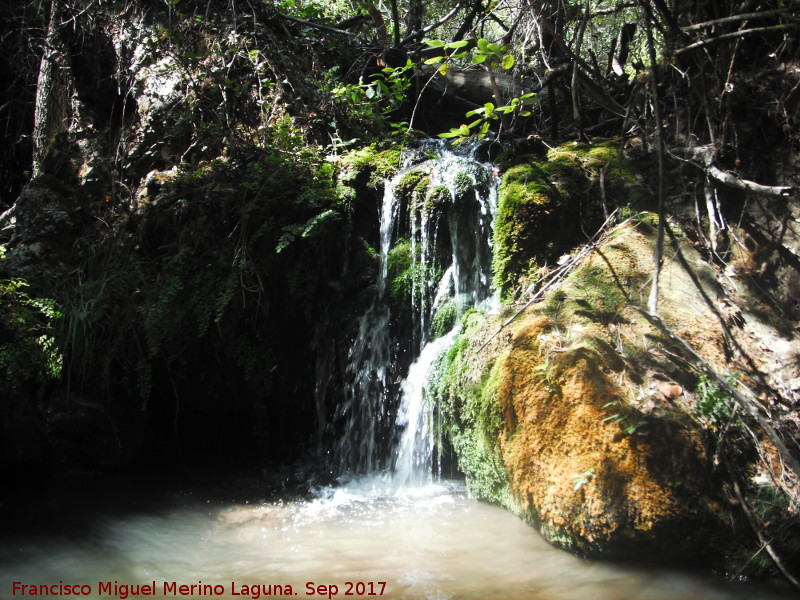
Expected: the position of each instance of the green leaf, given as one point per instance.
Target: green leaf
(477, 111)
(508, 61)
(434, 60)
(314, 223)
(458, 44)
(435, 43)
(450, 134)
(464, 130)
(444, 68)
(483, 45)
(488, 108)
(479, 58)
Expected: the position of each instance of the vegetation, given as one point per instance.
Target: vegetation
(192, 190)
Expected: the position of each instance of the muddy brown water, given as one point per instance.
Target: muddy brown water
(364, 539)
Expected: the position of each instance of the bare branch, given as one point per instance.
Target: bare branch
(734, 34)
(734, 18)
(704, 153)
(419, 34)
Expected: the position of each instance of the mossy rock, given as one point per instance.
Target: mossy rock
(547, 417)
(444, 318)
(466, 398)
(530, 209)
(370, 164)
(544, 206)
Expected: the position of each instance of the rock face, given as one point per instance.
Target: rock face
(575, 415)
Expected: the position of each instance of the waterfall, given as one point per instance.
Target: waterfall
(446, 222)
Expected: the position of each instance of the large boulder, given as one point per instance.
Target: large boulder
(577, 416)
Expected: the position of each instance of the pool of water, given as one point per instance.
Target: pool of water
(363, 539)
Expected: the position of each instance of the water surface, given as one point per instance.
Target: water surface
(430, 542)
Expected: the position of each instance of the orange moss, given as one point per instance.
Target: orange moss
(557, 436)
(598, 464)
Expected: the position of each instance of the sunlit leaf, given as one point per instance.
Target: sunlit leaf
(508, 61)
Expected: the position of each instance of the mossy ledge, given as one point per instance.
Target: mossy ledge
(544, 203)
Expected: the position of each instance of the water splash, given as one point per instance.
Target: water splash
(387, 419)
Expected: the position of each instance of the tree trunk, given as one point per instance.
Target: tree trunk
(50, 111)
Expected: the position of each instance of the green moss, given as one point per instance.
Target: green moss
(463, 183)
(539, 198)
(404, 274)
(375, 164)
(413, 189)
(440, 196)
(527, 208)
(399, 275)
(466, 395)
(444, 318)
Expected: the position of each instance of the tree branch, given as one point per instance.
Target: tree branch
(658, 251)
(318, 26)
(734, 34)
(419, 34)
(704, 153)
(732, 19)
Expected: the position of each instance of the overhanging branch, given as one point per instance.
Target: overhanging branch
(714, 172)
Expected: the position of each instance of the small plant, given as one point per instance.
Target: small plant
(628, 424)
(582, 479)
(28, 350)
(715, 405)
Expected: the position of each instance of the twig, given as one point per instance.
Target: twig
(419, 34)
(747, 404)
(319, 26)
(705, 154)
(732, 180)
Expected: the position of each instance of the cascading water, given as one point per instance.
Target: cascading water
(442, 208)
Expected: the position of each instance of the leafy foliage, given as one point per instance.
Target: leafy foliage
(28, 351)
(715, 405)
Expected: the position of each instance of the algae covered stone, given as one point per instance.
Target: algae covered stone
(544, 206)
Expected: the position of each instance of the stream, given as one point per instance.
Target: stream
(431, 542)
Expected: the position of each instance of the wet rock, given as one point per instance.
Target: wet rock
(555, 421)
(45, 221)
